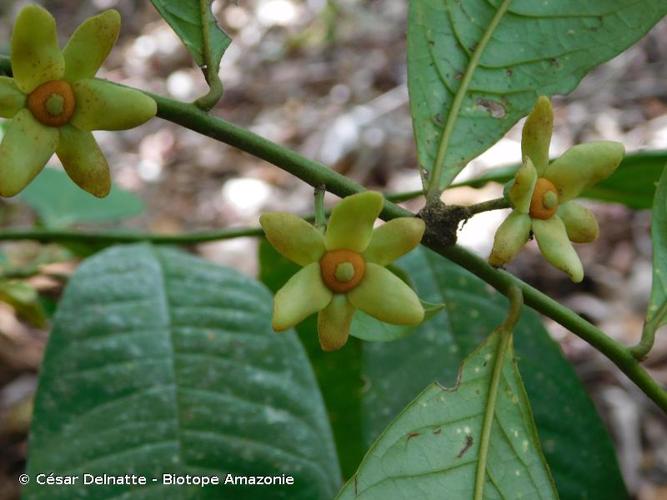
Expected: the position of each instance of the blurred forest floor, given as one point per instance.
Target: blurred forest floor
(328, 78)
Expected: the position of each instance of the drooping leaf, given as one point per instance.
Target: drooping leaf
(378, 379)
(656, 314)
(434, 446)
(632, 184)
(194, 23)
(60, 203)
(476, 67)
(575, 442)
(162, 363)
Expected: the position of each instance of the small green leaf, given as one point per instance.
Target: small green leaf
(632, 184)
(60, 203)
(582, 457)
(433, 446)
(160, 362)
(194, 23)
(476, 67)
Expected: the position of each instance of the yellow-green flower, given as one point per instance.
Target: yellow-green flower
(343, 270)
(541, 195)
(54, 101)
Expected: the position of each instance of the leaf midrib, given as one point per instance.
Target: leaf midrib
(166, 309)
(452, 116)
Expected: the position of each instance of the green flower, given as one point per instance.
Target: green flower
(343, 270)
(54, 102)
(541, 195)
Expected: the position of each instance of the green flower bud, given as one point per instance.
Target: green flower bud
(344, 268)
(63, 101)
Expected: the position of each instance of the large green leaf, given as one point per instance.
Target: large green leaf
(446, 438)
(576, 444)
(633, 183)
(162, 363)
(59, 202)
(476, 67)
(656, 314)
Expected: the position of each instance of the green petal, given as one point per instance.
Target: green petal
(303, 295)
(25, 149)
(84, 161)
(102, 105)
(386, 297)
(12, 100)
(536, 134)
(90, 45)
(293, 237)
(351, 222)
(554, 244)
(521, 191)
(510, 237)
(393, 239)
(36, 57)
(580, 223)
(583, 166)
(333, 323)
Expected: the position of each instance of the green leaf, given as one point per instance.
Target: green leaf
(632, 184)
(476, 67)
(60, 203)
(434, 446)
(656, 314)
(194, 23)
(574, 439)
(159, 363)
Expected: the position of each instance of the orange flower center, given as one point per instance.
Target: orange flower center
(342, 270)
(52, 103)
(544, 202)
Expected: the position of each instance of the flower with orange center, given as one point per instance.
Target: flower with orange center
(54, 101)
(541, 195)
(344, 269)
